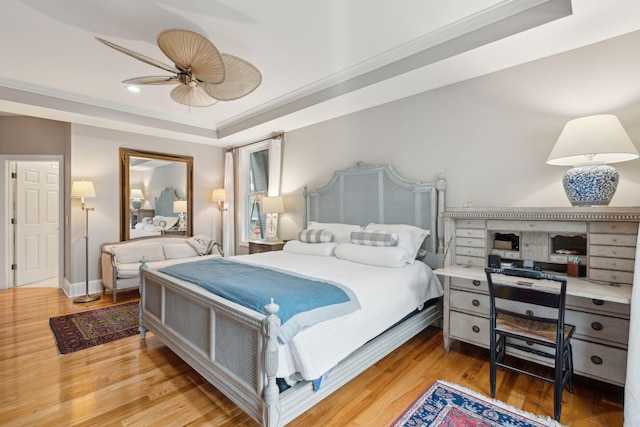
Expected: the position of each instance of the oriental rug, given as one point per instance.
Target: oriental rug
(78, 331)
(446, 404)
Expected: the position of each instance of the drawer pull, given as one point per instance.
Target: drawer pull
(475, 303)
(475, 329)
(596, 360)
(597, 301)
(529, 313)
(597, 326)
(476, 283)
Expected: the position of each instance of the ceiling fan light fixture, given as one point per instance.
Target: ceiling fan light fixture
(203, 75)
(193, 96)
(134, 89)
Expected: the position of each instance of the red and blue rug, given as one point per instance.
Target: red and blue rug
(78, 331)
(450, 405)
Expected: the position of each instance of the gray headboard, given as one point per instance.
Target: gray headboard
(376, 193)
(164, 203)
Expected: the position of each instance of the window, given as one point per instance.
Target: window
(259, 177)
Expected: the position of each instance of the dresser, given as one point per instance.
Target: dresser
(600, 240)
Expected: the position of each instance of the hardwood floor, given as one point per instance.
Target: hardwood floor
(132, 382)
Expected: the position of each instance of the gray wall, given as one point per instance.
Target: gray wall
(489, 136)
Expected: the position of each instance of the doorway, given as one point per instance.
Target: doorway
(33, 195)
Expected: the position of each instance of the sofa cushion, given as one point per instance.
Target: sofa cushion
(133, 253)
(129, 270)
(179, 250)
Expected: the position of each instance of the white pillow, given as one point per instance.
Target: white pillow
(380, 256)
(147, 220)
(341, 232)
(170, 221)
(302, 248)
(179, 250)
(410, 237)
(139, 226)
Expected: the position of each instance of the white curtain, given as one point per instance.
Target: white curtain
(632, 383)
(228, 215)
(275, 161)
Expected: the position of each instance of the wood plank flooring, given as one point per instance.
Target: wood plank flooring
(131, 382)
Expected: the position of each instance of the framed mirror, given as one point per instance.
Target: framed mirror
(156, 194)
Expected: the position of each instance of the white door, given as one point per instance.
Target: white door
(37, 222)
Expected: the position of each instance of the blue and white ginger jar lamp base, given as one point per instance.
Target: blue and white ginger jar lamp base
(590, 185)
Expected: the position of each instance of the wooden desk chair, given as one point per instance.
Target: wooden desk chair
(540, 330)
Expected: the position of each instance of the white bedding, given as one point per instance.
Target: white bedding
(386, 295)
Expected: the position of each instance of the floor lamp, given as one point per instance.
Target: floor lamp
(220, 195)
(82, 189)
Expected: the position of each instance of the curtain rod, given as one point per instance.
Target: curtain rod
(279, 135)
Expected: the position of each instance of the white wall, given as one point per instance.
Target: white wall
(95, 156)
(489, 136)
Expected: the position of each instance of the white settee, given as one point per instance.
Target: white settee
(121, 261)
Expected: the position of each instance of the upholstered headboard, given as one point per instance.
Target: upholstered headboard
(376, 193)
(164, 203)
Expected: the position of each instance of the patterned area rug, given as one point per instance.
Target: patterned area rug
(78, 331)
(451, 405)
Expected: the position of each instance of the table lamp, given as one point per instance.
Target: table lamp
(589, 144)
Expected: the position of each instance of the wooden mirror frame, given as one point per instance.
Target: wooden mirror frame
(125, 202)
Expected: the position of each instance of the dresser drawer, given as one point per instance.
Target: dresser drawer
(598, 361)
(468, 328)
(467, 301)
(588, 304)
(473, 285)
(611, 276)
(594, 326)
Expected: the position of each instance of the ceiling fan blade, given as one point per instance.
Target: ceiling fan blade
(153, 80)
(242, 79)
(139, 57)
(190, 51)
(193, 96)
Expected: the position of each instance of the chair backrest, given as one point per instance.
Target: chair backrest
(526, 292)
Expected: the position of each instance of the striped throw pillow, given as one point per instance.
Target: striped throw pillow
(374, 238)
(315, 236)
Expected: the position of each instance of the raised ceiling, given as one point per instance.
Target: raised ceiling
(319, 59)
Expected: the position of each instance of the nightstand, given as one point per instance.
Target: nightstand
(257, 246)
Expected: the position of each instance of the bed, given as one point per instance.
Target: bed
(241, 351)
(164, 218)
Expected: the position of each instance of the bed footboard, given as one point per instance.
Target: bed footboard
(232, 347)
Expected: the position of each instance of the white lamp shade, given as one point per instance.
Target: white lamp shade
(179, 206)
(597, 139)
(219, 195)
(136, 193)
(273, 204)
(82, 189)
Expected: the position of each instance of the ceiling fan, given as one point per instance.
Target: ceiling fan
(204, 75)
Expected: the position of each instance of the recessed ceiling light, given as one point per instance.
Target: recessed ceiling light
(134, 89)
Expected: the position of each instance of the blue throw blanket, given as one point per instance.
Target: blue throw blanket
(303, 301)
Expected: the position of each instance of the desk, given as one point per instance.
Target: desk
(599, 312)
